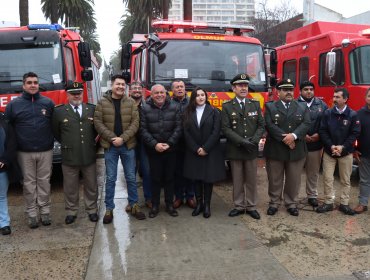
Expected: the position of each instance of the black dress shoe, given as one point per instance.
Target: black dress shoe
(254, 214)
(70, 219)
(271, 211)
(325, 208)
(93, 217)
(313, 202)
(6, 230)
(236, 212)
(293, 211)
(153, 212)
(345, 209)
(171, 211)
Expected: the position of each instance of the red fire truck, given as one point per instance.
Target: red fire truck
(55, 54)
(330, 55)
(200, 54)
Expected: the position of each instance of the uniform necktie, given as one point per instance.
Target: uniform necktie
(287, 106)
(76, 111)
(242, 105)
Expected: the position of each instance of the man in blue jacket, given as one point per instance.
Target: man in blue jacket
(30, 115)
(339, 129)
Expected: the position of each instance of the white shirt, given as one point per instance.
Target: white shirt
(341, 111)
(79, 108)
(200, 110)
(240, 101)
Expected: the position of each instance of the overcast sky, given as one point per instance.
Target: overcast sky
(109, 12)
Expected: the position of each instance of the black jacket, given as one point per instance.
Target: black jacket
(317, 109)
(339, 129)
(209, 168)
(364, 139)
(30, 116)
(9, 157)
(160, 125)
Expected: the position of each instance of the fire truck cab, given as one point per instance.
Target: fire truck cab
(329, 55)
(200, 54)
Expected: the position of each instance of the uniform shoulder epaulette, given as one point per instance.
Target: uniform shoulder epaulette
(91, 104)
(227, 101)
(254, 100)
(59, 105)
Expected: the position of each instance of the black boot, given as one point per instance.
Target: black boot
(207, 200)
(199, 197)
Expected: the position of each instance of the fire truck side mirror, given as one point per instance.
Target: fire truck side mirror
(330, 64)
(126, 56)
(273, 62)
(84, 54)
(87, 75)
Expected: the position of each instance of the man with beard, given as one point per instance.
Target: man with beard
(339, 129)
(136, 93)
(73, 127)
(287, 123)
(316, 108)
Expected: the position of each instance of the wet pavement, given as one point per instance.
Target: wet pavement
(308, 247)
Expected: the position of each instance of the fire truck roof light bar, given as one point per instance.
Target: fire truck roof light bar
(179, 24)
(56, 27)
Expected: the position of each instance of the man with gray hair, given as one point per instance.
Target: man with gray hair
(160, 128)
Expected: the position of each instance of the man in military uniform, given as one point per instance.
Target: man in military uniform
(73, 127)
(287, 123)
(243, 126)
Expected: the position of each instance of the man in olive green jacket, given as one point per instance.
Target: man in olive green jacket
(73, 127)
(287, 123)
(243, 126)
(116, 120)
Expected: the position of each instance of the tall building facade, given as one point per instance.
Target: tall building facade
(216, 11)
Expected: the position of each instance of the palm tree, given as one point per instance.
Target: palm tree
(76, 13)
(23, 12)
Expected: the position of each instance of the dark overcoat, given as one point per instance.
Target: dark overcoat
(209, 168)
(75, 134)
(281, 121)
(238, 126)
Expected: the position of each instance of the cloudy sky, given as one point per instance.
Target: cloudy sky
(108, 16)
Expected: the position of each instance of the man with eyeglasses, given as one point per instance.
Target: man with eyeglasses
(316, 108)
(287, 123)
(30, 115)
(243, 127)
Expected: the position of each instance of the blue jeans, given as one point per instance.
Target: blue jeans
(4, 214)
(364, 168)
(127, 156)
(143, 166)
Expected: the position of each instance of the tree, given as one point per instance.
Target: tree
(23, 12)
(76, 13)
(271, 24)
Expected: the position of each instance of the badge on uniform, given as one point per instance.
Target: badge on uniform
(250, 114)
(233, 114)
(276, 118)
(345, 122)
(65, 120)
(43, 111)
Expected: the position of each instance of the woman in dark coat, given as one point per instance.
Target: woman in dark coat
(9, 171)
(204, 161)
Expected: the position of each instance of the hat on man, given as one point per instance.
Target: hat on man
(306, 84)
(75, 88)
(240, 79)
(287, 83)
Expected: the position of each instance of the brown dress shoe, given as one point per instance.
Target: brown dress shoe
(108, 217)
(191, 203)
(360, 209)
(128, 208)
(177, 203)
(136, 212)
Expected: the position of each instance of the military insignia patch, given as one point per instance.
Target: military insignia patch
(43, 111)
(345, 122)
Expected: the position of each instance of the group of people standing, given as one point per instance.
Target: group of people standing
(174, 144)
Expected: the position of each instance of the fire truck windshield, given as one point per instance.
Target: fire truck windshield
(208, 64)
(44, 60)
(359, 60)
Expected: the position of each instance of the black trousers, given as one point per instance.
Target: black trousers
(162, 173)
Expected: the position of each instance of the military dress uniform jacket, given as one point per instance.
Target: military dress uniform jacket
(238, 125)
(281, 121)
(75, 134)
